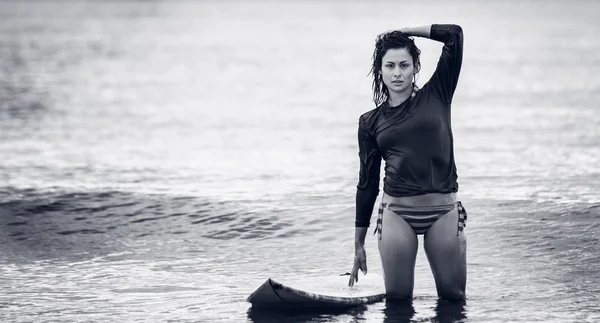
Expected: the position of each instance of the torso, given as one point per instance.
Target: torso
(415, 140)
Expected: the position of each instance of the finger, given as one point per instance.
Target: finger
(363, 267)
(353, 274)
(353, 279)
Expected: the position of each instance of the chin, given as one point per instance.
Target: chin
(401, 88)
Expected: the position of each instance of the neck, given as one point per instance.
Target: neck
(397, 98)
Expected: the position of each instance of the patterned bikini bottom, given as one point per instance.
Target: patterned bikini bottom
(421, 218)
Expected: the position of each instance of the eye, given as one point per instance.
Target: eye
(404, 65)
(389, 65)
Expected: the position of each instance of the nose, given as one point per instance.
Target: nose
(397, 71)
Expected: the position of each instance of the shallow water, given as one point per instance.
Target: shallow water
(160, 160)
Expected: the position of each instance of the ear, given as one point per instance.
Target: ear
(417, 68)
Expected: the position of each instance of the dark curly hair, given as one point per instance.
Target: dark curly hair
(390, 40)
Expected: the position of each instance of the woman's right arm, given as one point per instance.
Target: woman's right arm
(367, 188)
(366, 195)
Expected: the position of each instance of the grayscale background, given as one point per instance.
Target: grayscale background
(159, 160)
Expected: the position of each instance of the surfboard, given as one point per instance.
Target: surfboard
(276, 294)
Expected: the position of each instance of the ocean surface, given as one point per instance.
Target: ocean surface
(159, 160)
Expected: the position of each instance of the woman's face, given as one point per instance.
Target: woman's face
(397, 70)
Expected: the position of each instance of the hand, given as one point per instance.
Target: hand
(360, 262)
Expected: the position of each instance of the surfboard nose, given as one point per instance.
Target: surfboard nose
(274, 294)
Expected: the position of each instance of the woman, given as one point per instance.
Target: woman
(410, 129)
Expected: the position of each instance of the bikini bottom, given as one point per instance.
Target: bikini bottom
(421, 218)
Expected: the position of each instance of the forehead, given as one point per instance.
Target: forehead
(396, 55)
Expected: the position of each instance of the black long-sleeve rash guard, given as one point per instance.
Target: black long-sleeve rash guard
(415, 138)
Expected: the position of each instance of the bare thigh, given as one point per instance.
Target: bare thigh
(447, 255)
(398, 251)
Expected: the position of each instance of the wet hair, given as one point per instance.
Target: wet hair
(390, 40)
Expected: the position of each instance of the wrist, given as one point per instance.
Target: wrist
(419, 31)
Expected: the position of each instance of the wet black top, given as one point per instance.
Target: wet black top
(415, 138)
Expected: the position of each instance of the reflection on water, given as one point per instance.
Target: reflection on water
(450, 311)
(394, 311)
(304, 315)
(398, 311)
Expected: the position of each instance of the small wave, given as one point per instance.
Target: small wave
(216, 219)
(16, 223)
(248, 225)
(156, 289)
(149, 219)
(591, 211)
(56, 221)
(83, 231)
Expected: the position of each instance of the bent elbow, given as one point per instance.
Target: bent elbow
(455, 35)
(456, 29)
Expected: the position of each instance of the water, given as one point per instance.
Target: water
(160, 160)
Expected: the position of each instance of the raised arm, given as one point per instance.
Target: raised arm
(445, 78)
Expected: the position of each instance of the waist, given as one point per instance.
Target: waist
(428, 199)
